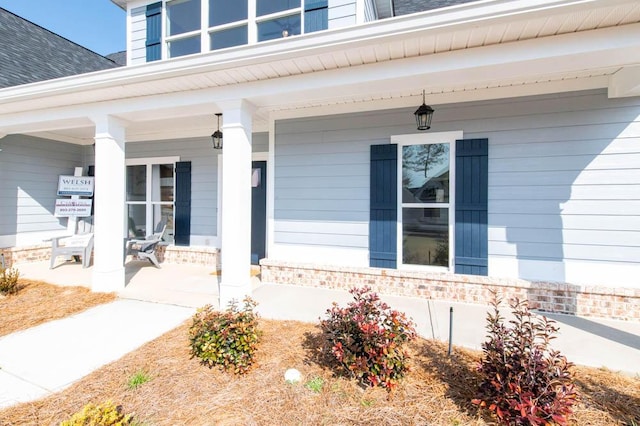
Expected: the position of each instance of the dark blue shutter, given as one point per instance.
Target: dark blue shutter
(471, 206)
(383, 225)
(182, 229)
(154, 32)
(316, 15)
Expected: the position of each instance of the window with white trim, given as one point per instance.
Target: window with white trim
(194, 26)
(426, 199)
(150, 195)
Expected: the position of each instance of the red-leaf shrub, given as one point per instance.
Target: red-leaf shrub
(367, 339)
(524, 382)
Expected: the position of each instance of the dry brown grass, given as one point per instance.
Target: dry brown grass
(183, 392)
(37, 302)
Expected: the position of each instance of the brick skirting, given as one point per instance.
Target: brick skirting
(205, 256)
(594, 301)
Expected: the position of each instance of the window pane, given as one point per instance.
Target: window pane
(186, 46)
(137, 183)
(278, 28)
(265, 7)
(137, 223)
(225, 11)
(183, 16)
(162, 182)
(425, 236)
(425, 173)
(160, 212)
(228, 38)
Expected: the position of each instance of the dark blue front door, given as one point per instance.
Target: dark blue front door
(258, 210)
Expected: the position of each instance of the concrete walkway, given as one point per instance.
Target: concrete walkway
(48, 358)
(157, 300)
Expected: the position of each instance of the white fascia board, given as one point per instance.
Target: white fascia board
(426, 23)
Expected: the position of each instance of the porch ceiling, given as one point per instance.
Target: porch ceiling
(469, 52)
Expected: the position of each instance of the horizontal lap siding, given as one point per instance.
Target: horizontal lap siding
(29, 170)
(138, 36)
(564, 177)
(564, 171)
(342, 13)
(322, 179)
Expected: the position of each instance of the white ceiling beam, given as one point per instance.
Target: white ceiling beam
(625, 82)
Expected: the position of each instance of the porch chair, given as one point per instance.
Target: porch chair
(146, 248)
(79, 244)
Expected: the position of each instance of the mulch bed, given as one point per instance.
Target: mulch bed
(37, 302)
(183, 392)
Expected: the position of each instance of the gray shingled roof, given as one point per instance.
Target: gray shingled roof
(119, 58)
(405, 7)
(30, 53)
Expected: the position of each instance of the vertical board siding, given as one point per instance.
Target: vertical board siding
(383, 217)
(182, 231)
(29, 170)
(471, 207)
(138, 36)
(154, 32)
(560, 167)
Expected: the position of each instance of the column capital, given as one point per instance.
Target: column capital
(237, 112)
(109, 126)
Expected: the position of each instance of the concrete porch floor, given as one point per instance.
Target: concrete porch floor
(182, 285)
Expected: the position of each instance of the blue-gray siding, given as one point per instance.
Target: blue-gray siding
(564, 172)
(29, 170)
(342, 13)
(138, 36)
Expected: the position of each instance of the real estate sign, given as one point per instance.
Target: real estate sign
(75, 185)
(66, 207)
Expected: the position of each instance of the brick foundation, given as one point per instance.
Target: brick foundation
(205, 256)
(614, 303)
(37, 253)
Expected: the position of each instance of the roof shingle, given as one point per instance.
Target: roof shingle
(30, 53)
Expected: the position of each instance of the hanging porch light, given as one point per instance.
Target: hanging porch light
(424, 114)
(216, 137)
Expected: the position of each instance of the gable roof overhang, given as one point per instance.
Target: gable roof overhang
(491, 49)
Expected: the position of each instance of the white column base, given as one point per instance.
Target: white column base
(237, 292)
(108, 281)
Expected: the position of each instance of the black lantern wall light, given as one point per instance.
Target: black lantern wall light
(424, 114)
(216, 137)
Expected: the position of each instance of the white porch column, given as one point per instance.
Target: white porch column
(109, 205)
(236, 203)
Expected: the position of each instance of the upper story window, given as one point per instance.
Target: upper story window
(234, 23)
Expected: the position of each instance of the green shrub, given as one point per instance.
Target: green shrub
(138, 379)
(105, 414)
(367, 339)
(228, 339)
(9, 281)
(524, 382)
